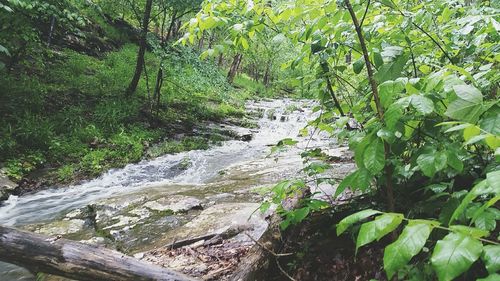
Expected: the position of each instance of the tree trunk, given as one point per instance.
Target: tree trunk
(75, 260)
(221, 60)
(51, 31)
(142, 49)
(234, 68)
(202, 41)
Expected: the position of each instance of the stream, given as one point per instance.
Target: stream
(145, 204)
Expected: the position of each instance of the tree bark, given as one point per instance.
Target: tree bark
(234, 68)
(76, 260)
(142, 49)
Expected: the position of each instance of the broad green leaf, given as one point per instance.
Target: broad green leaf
(493, 179)
(453, 160)
(491, 258)
(471, 231)
(441, 161)
(391, 71)
(392, 116)
(426, 163)
(465, 110)
(454, 254)
(470, 132)
(422, 104)
(244, 43)
(359, 150)
(345, 223)
(378, 228)
(358, 65)
(491, 124)
(373, 156)
(409, 243)
(468, 93)
(492, 141)
(358, 180)
(479, 189)
(388, 90)
(377, 59)
(486, 220)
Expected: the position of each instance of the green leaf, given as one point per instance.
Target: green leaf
(392, 70)
(244, 43)
(358, 65)
(491, 258)
(468, 93)
(426, 164)
(377, 59)
(491, 124)
(479, 189)
(454, 161)
(470, 231)
(409, 243)
(345, 223)
(360, 179)
(441, 161)
(422, 104)
(486, 220)
(4, 50)
(392, 116)
(454, 254)
(464, 110)
(373, 156)
(493, 179)
(388, 90)
(471, 131)
(378, 228)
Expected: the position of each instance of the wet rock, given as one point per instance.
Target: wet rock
(174, 203)
(221, 217)
(97, 241)
(61, 227)
(142, 213)
(246, 137)
(7, 187)
(123, 221)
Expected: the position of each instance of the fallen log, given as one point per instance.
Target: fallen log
(76, 260)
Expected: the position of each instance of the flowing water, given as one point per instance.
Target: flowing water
(211, 173)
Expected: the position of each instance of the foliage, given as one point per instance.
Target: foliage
(422, 79)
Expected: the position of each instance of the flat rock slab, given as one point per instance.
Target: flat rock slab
(174, 203)
(219, 218)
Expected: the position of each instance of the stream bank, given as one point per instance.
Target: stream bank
(142, 208)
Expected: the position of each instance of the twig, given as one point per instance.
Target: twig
(364, 15)
(283, 271)
(267, 249)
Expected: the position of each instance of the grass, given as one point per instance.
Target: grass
(69, 112)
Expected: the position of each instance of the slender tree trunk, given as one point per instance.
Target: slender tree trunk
(233, 69)
(202, 41)
(380, 109)
(221, 60)
(142, 49)
(51, 31)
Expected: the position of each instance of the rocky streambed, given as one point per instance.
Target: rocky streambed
(200, 220)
